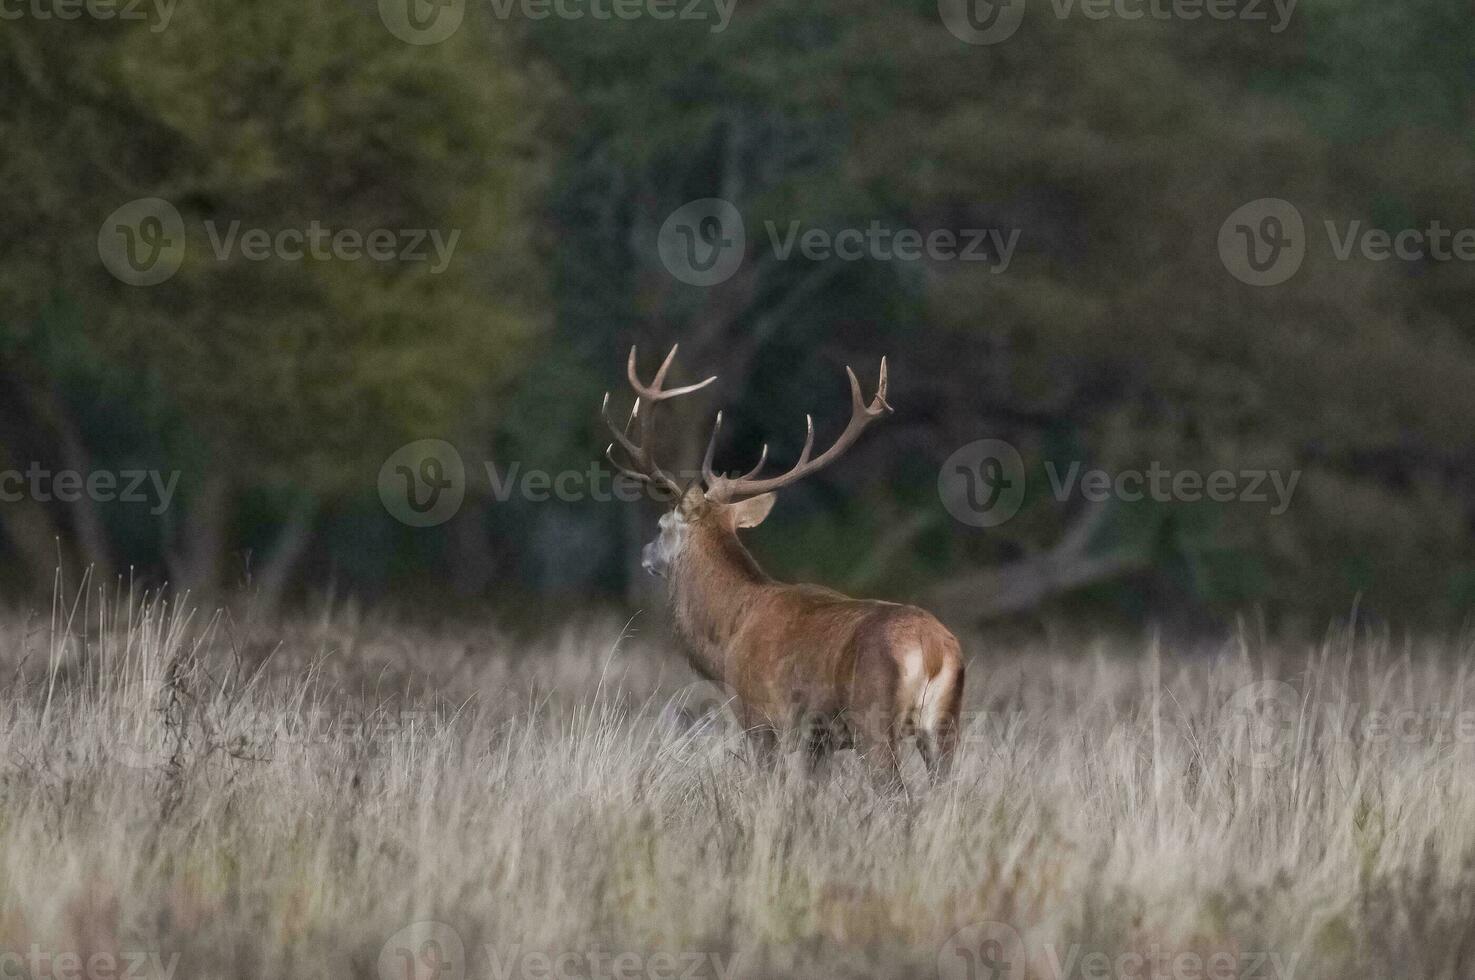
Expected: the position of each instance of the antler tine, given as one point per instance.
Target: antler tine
(637, 454)
(643, 464)
(708, 476)
(609, 454)
(762, 458)
(861, 415)
(808, 439)
(878, 405)
(654, 392)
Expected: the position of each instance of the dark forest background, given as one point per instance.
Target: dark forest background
(557, 148)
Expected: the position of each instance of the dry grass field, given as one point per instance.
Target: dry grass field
(180, 796)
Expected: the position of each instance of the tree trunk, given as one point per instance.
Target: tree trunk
(197, 556)
(270, 581)
(92, 535)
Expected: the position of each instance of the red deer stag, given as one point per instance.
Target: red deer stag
(803, 660)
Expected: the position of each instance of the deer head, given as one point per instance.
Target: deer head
(717, 505)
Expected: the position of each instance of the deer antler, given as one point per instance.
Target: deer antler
(723, 489)
(643, 465)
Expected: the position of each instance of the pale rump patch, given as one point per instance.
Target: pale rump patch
(933, 701)
(911, 687)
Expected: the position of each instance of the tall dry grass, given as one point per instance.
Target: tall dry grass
(348, 798)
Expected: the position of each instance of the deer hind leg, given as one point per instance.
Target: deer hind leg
(762, 738)
(878, 745)
(762, 746)
(877, 728)
(818, 744)
(937, 722)
(878, 711)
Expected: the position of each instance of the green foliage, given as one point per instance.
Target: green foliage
(276, 384)
(274, 116)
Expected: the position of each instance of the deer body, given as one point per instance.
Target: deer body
(809, 662)
(802, 660)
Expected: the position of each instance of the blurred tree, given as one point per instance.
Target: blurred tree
(288, 380)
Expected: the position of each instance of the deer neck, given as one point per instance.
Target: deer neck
(712, 589)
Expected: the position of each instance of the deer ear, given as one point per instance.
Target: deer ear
(750, 512)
